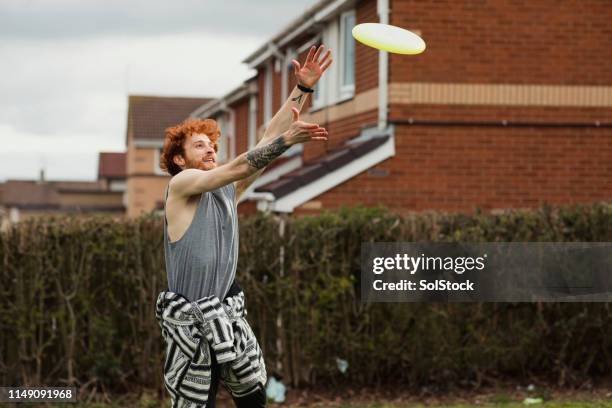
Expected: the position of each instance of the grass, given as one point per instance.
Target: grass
(510, 405)
(548, 404)
(600, 398)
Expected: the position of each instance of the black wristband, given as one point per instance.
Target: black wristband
(305, 89)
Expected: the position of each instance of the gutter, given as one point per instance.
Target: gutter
(222, 103)
(261, 196)
(382, 8)
(264, 200)
(318, 13)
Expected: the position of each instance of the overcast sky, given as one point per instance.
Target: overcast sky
(68, 66)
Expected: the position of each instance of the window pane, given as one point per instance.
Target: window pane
(317, 96)
(348, 74)
(223, 141)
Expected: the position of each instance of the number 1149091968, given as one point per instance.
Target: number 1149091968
(37, 394)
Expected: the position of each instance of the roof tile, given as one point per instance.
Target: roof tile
(321, 167)
(26, 192)
(338, 158)
(281, 187)
(149, 116)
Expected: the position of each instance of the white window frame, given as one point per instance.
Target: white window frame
(317, 96)
(224, 142)
(346, 91)
(157, 170)
(267, 111)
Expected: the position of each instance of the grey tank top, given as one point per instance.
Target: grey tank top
(203, 261)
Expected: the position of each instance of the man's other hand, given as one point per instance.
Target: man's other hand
(301, 132)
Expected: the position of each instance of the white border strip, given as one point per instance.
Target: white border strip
(500, 94)
(150, 143)
(289, 202)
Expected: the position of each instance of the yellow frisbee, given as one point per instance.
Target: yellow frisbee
(389, 38)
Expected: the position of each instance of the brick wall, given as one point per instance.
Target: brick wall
(145, 192)
(548, 114)
(339, 132)
(495, 41)
(143, 187)
(247, 208)
(452, 168)
(459, 168)
(241, 124)
(276, 89)
(366, 58)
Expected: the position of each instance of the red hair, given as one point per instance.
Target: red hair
(176, 136)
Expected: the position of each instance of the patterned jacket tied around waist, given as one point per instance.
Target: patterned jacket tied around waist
(190, 330)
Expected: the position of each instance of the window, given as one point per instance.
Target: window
(223, 153)
(347, 59)
(338, 83)
(317, 96)
(157, 168)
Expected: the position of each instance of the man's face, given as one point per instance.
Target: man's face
(199, 153)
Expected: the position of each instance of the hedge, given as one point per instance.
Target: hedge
(77, 303)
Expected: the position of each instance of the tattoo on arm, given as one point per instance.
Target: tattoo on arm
(298, 98)
(262, 156)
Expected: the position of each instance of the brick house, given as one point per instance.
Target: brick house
(148, 118)
(23, 199)
(508, 107)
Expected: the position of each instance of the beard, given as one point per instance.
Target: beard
(200, 164)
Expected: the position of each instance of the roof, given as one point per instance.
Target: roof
(246, 89)
(29, 194)
(21, 193)
(149, 116)
(319, 168)
(79, 186)
(111, 165)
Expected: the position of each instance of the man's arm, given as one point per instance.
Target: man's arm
(282, 119)
(306, 76)
(295, 100)
(190, 182)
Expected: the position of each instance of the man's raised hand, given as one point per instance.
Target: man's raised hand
(310, 73)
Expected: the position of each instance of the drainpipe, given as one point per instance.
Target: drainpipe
(252, 115)
(382, 8)
(285, 75)
(279, 317)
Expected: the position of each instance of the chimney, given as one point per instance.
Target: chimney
(42, 175)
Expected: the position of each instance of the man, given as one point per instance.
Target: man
(202, 313)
